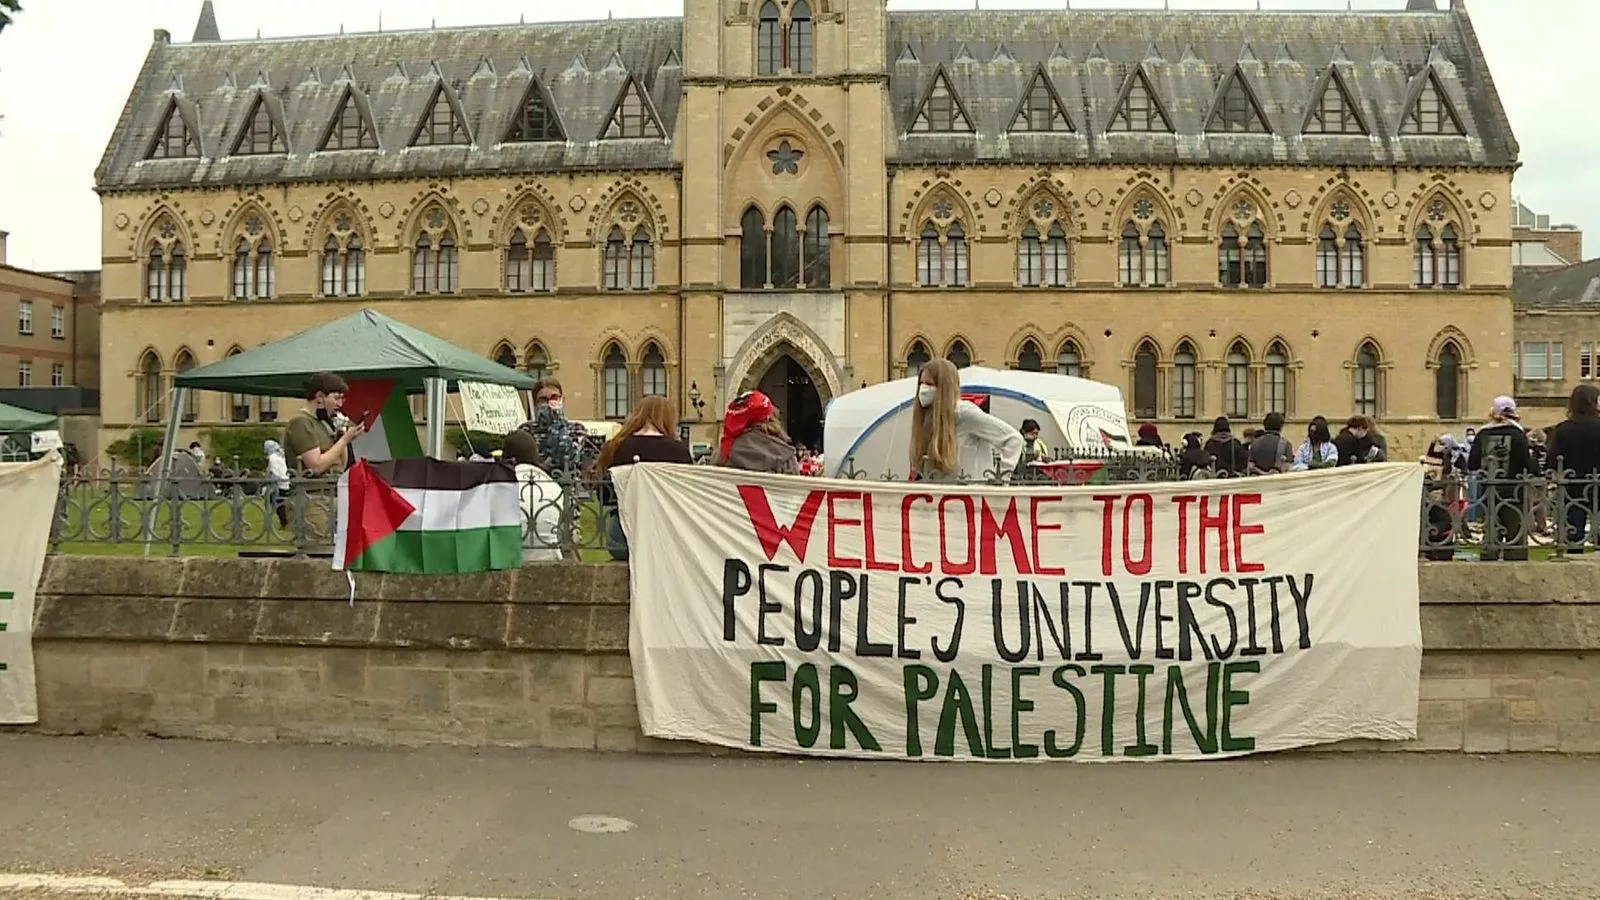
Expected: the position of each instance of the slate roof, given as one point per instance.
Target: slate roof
(1574, 287)
(1089, 57)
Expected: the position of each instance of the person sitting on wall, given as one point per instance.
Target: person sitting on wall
(752, 438)
(542, 499)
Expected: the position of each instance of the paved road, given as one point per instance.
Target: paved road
(495, 823)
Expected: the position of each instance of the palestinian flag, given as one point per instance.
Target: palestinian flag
(391, 431)
(428, 516)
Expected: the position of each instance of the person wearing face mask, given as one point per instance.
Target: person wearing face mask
(317, 439)
(952, 440)
(558, 438)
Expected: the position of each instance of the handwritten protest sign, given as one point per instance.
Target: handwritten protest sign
(28, 494)
(494, 408)
(1188, 620)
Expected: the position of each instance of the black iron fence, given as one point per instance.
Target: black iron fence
(569, 517)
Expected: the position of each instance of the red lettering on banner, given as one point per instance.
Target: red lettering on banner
(907, 563)
(769, 532)
(990, 531)
(1241, 531)
(1108, 504)
(1140, 566)
(1183, 501)
(837, 521)
(874, 564)
(1216, 523)
(1039, 567)
(970, 517)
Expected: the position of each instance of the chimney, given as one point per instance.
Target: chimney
(3, 236)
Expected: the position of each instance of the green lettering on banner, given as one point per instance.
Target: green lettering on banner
(992, 751)
(1140, 746)
(957, 702)
(759, 672)
(1232, 698)
(1059, 678)
(1018, 707)
(806, 678)
(1108, 709)
(843, 689)
(1205, 741)
(921, 684)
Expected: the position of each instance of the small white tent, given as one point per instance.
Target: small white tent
(869, 431)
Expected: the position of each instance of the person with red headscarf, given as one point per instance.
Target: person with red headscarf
(753, 440)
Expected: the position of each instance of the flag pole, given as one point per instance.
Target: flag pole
(434, 393)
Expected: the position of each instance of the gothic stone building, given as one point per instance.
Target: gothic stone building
(1221, 213)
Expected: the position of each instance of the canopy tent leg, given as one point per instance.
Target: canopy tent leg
(164, 466)
(435, 393)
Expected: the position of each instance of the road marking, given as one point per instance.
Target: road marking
(203, 890)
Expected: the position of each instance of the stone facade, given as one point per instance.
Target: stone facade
(905, 237)
(267, 650)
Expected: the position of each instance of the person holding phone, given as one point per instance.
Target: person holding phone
(317, 439)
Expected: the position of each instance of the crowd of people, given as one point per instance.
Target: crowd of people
(1265, 450)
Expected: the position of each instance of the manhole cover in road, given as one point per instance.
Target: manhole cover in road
(600, 825)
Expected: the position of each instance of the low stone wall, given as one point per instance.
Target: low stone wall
(262, 650)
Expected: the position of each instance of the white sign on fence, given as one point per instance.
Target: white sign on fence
(45, 441)
(494, 408)
(28, 494)
(1131, 621)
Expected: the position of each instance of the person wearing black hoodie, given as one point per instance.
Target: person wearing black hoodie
(1231, 456)
(1501, 454)
(1574, 453)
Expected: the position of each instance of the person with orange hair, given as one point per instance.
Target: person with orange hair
(752, 438)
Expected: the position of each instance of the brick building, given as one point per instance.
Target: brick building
(1222, 213)
(51, 331)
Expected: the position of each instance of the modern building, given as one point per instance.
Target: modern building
(1557, 338)
(52, 333)
(1222, 213)
(1538, 246)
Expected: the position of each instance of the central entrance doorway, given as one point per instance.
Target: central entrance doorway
(797, 400)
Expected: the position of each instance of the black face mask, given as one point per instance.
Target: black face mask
(324, 415)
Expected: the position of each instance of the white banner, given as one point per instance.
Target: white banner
(28, 494)
(495, 408)
(1178, 620)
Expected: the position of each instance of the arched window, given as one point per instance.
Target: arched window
(785, 254)
(241, 270)
(447, 264)
(155, 276)
(518, 263)
(1236, 389)
(266, 274)
(191, 401)
(238, 404)
(654, 371)
(753, 249)
(505, 356)
(177, 274)
(424, 266)
(814, 255)
(1029, 358)
(1157, 268)
(536, 361)
(1327, 257)
(544, 263)
(1354, 268)
(1030, 257)
(616, 260)
(1366, 380)
(269, 408)
(1255, 257)
(1425, 261)
(1131, 256)
(929, 265)
(252, 270)
(1184, 382)
(1230, 272)
(1145, 387)
(1057, 261)
(1276, 380)
(332, 271)
(614, 377)
(1447, 382)
(955, 256)
(355, 268)
(641, 261)
(802, 52)
(959, 354)
(917, 358)
(1069, 360)
(1449, 258)
(769, 40)
(150, 388)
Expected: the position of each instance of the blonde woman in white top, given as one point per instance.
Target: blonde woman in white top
(952, 440)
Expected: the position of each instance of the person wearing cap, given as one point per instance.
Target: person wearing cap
(1500, 455)
(752, 438)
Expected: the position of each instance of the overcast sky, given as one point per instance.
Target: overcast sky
(66, 67)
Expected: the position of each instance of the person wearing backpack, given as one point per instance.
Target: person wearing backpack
(1230, 455)
(1271, 452)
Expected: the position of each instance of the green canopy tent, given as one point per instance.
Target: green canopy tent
(16, 427)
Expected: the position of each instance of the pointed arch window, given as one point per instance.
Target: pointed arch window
(1230, 269)
(1130, 256)
(355, 268)
(1242, 257)
(785, 256)
(1029, 359)
(1042, 255)
(1069, 360)
(191, 400)
(816, 265)
(614, 383)
(1142, 253)
(174, 140)
(1145, 387)
(1353, 262)
(177, 273)
(1425, 259)
(1449, 258)
(349, 130)
(505, 356)
(1185, 382)
(544, 262)
(424, 266)
(253, 271)
(1447, 382)
(1366, 380)
(653, 373)
(1327, 257)
(155, 274)
(1030, 257)
(917, 357)
(265, 281)
(929, 265)
(242, 270)
(1236, 389)
(238, 404)
(955, 256)
(1157, 268)
(802, 50)
(641, 261)
(769, 40)
(1140, 111)
(1057, 260)
(1275, 381)
(942, 259)
(959, 354)
(442, 126)
(150, 388)
(536, 361)
(1335, 111)
(332, 269)
(166, 270)
(433, 258)
(752, 250)
(519, 263)
(616, 260)
(536, 122)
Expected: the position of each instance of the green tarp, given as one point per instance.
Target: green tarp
(365, 345)
(16, 420)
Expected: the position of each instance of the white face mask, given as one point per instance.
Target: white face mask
(555, 405)
(925, 395)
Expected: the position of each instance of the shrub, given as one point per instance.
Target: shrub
(469, 442)
(138, 449)
(243, 443)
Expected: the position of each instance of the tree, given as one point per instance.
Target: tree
(7, 7)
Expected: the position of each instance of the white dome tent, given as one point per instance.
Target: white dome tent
(868, 432)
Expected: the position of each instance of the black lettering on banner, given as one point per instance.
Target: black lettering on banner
(1189, 632)
(1134, 642)
(1302, 607)
(1059, 678)
(948, 654)
(736, 582)
(1217, 650)
(808, 588)
(1088, 654)
(807, 680)
(998, 586)
(1162, 650)
(1251, 648)
(766, 606)
(1276, 620)
(1062, 640)
(906, 651)
(761, 672)
(864, 645)
(841, 587)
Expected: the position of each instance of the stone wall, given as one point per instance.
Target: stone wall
(263, 650)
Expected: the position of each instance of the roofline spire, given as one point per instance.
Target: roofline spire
(205, 28)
